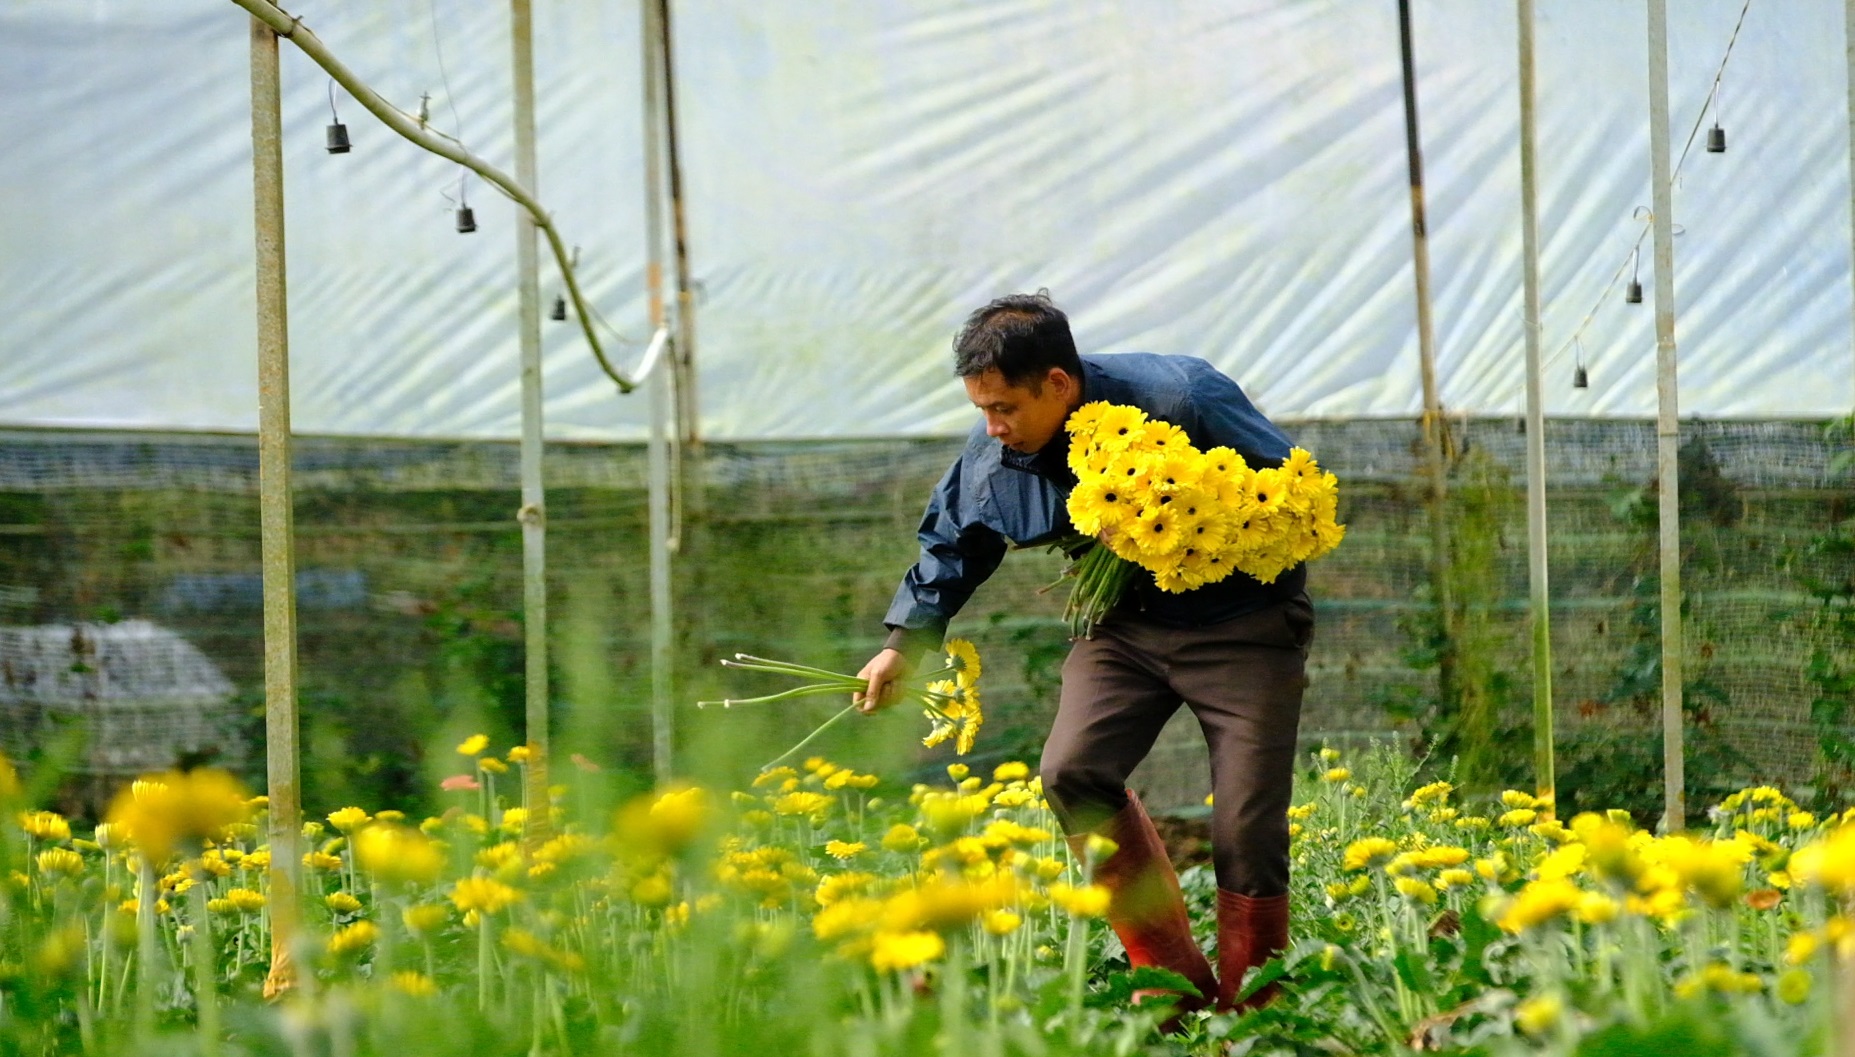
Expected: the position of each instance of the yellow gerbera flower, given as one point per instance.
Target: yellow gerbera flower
(1118, 426)
(483, 894)
(904, 950)
(1368, 852)
(963, 658)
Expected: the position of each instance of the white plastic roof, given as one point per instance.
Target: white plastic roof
(1224, 178)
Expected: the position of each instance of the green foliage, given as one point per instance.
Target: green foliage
(1831, 671)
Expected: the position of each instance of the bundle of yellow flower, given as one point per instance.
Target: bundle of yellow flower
(951, 704)
(1190, 518)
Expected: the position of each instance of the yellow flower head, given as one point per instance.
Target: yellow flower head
(1114, 426)
(1713, 870)
(963, 658)
(1540, 902)
(396, 855)
(474, 744)
(416, 984)
(45, 826)
(1001, 922)
(1538, 1015)
(1368, 852)
(841, 850)
(1013, 771)
(179, 809)
(483, 895)
(1454, 878)
(802, 802)
(902, 838)
(1828, 862)
(353, 939)
(349, 819)
(670, 822)
(425, 917)
(1088, 901)
(971, 718)
(60, 862)
(894, 951)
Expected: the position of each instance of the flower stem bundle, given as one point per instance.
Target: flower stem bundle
(948, 696)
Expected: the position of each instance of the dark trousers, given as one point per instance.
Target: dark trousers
(1242, 678)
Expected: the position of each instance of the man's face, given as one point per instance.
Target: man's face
(1021, 417)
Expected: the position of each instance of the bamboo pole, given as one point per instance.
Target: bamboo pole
(1433, 424)
(1667, 423)
(1540, 595)
(275, 517)
(662, 432)
(533, 512)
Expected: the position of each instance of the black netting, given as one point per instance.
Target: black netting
(409, 584)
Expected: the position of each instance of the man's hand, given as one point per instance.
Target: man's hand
(883, 675)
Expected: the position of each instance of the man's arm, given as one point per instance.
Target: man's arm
(1215, 411)
(958, 552)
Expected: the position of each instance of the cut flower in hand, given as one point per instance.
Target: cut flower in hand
(948, 696)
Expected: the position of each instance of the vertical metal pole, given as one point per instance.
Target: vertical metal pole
(1667, 421)
(1433, 424)
(1540, 595)
(533, 513)
(685, 301)
(662, 435)
(275, 518)
(1848, 9)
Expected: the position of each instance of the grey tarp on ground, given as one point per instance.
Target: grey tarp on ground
(1221, 178)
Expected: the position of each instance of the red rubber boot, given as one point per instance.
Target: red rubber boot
(1145, 907)
(1250, 931)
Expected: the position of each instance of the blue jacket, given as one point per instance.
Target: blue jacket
(993, 498)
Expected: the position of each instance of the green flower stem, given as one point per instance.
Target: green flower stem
(146, 895)
(810, 690)
(1075, 966)
(205, 987)
(953, 998)
(763, 664)
(807, 740)
(483, 962)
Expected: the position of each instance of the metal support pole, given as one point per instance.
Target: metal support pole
(275, 518)
(1433, 424)
(685, 343)
(663, 437)
(533, 513)
(1667, 421)
(1540, 594)
(1848, 9)
(663, 434)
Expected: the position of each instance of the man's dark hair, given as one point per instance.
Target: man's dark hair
(1021, 336)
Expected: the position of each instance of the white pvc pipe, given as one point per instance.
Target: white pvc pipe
(1667, 423)
(1540, 595)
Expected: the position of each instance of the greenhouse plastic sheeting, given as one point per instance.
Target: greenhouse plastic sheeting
(1225, 179)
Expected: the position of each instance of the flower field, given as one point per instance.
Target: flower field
(823, 911)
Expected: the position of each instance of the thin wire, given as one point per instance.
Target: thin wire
(450, 101)
(438, 47)
(331, 102)
(1648, 218)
